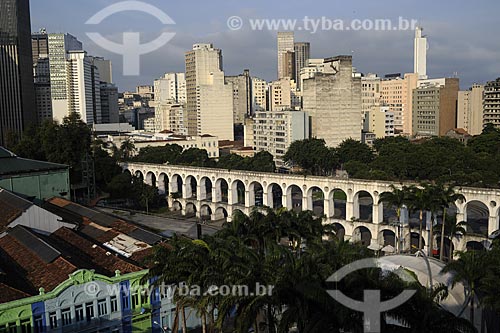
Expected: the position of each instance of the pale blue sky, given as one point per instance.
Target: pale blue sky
(463, 35)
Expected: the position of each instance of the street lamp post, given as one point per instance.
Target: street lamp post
(163, 329)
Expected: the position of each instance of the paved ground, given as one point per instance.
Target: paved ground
(167, 224)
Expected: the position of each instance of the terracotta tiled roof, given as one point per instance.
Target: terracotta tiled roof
(8, 294)
(37, 271)
(11, 208)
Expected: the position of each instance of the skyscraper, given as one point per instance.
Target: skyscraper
(491, 103)
(17, 93)
(209, 101)
(59, 47)
(420, 57)
(302, 55)
(285, 44)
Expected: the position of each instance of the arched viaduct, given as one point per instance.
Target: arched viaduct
(351, 205)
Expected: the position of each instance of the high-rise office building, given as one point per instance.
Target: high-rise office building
(280, 94)
(370, 93)
(491, 103)
(420, 56)
(242, 96)
(40, 45)
(435, 106)
(285, 44)
(470, 109)
(209, 102)
(17, 93)
(302, 55)
(59, 47)
(333, 100)
(105, 69)
(109, 103)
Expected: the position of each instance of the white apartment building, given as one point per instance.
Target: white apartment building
(209, 102)
(141, 140)
(83, 87)
(274, 131)
(370, 93)
(171, 87)
(470, 109)
(170, 117)
(259, 94)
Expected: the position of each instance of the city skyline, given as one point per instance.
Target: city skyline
(454, 48)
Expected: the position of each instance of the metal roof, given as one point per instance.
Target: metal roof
(145, 236)
(43, 250)
(11, 164)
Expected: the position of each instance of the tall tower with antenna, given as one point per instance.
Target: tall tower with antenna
(420, 56)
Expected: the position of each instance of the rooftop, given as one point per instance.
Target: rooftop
(12, 164)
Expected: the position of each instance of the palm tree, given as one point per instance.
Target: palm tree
(127, 149)
(419, 200)
(469, 269)
(454, 230)
(446, 195)
(396, 198)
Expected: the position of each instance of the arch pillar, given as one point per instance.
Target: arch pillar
(215, 193)
(327, 207)
(200, 193)
(378, 213)
(185, 190)
(265, 196)
(305, 203)
(231, 196)
(247, 199)
(284, 200)
(351, 210)
(493, 224)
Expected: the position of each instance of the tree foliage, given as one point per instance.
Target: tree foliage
(289, 251)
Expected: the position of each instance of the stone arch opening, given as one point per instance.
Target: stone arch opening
(476, 215)
(238, 191)
(139, 175)
(475, 246)
(339, 231)
(339, 199)
(274, 196)
(191, 187)
(389, 212)
(294, 197)
(151, 179)
(163, 184)
(205, 189)
(220, 214)
(316, 200)
(176, 186)
(190, 209)
(256, 194)
(221, 190)
(176, 206)
(363, 206)
(362, 235)
(387, 237)
(237, 211)
(205, 212)
(415, 239)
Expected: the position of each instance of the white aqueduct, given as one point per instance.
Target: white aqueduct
(351, 205)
